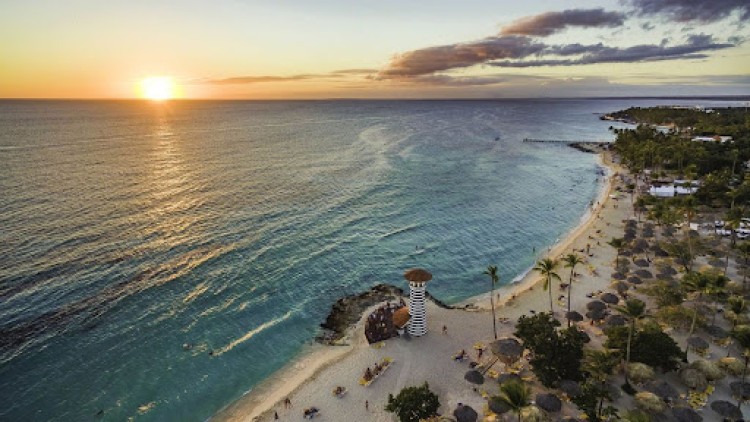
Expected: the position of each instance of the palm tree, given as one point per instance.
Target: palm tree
(688, 207)
(634, 309)
(743, 338)
(733, 219)
(744, 247)
(617, 243)
(698, 284)
(492, 272)
(546, 267)
(571, 260)
(516, 395)
(716, 287)
(737, 305)
(599, 364)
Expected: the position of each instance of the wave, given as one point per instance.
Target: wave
(250, 334)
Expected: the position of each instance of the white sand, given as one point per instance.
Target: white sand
(310, 381)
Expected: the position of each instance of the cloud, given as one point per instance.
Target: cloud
(515, 51)
(546, 24)
(238, 80)
(434, 59)
(692, 10)
(254, 79)
(448, 80)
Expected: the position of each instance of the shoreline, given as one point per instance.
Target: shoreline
(259, 402)
(528, 280)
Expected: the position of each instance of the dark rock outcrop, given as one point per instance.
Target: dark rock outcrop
(346, 311)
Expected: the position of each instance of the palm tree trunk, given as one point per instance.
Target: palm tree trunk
(627, 352)
(570, 287)
(744, 372)
(549, 290)
(692, 329)
(492, 304)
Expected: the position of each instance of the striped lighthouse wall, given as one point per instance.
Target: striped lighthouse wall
(417, 309)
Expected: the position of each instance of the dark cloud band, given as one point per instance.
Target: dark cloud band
(551, 22)
(692, 10)
(518, 51)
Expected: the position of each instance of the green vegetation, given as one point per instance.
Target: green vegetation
(413, 404)
(649, 345)
(515, 395)
(557, 353)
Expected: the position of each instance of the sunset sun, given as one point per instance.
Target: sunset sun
(157, 88)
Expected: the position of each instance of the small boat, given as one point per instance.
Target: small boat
(497, 138)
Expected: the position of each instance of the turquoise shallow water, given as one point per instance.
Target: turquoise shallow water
(130, 228)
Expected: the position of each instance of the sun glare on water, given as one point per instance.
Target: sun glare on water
(157, 88)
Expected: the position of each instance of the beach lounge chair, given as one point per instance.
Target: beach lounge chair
(384, 365)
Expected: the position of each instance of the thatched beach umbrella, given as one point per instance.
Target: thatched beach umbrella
(693, 378)
(634, 280)
(641, 262)
(465, 413)
(574, 316)
(726, 409)
(620, 287)
(648, 234)
(644, 274)
(640, 372)
(641, 243)
(474, 377)
(649, 402)
(548, 402)
(629, 235)
(596, 315)
(507, 349)
(671, 282)
(609, 298)
(663, 389)
(497, 406)
(717, 332)
(569, 387)
(638, 249)
(666, 269)
(618, 276)
(658, 251)
(615, 320)
(731, 365)
(697, 343)
(686, 414)
(401, 317)
(596, 305)
(717, 263)
(417, 275)
(740, 390)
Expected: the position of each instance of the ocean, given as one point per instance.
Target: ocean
(129, 229)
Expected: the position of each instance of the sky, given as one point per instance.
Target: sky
(309, 49)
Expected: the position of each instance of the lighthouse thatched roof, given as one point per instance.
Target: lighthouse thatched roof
(417, 275)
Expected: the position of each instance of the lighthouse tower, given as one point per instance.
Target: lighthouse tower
(417, 279)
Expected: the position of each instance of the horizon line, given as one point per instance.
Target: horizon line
(741, 97)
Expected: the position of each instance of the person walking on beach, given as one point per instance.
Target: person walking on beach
(275, 415)
(445, 329)
(367, 406)
(287, 403)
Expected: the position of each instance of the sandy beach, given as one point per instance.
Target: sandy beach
(309, 381)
